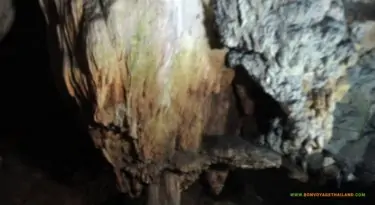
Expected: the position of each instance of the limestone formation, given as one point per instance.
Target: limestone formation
(353, 133)
(298, 51)
(315, 58)
(157, 100)
(152, 92)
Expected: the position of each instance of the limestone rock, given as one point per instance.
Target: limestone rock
(299, 52)
(317, 59)
(353, 132)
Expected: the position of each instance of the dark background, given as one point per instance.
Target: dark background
(33, 119)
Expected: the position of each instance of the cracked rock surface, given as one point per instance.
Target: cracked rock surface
(353, 133)
(298, 51)
(316, 58)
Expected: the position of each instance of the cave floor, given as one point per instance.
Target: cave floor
(29, 178)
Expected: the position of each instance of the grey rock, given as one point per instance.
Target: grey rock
(328, 161)
(366, 169)
(353, 133)
(297, 51)
(315, 161)
(363, 34)
(317, 58)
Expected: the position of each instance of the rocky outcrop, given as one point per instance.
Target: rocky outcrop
(353, 137)
(152, 92)
(157, 101)
(315, 59)
(298, 51)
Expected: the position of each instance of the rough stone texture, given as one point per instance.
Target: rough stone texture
(365, 170)
(7, 15)
(146, 80)
(316, 58)
(298, 51)
(353, 133)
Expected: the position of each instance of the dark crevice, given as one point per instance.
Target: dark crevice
(38, 128)
(210, 26)
(265, 107)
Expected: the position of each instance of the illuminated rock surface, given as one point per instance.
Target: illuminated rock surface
(304, 53)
